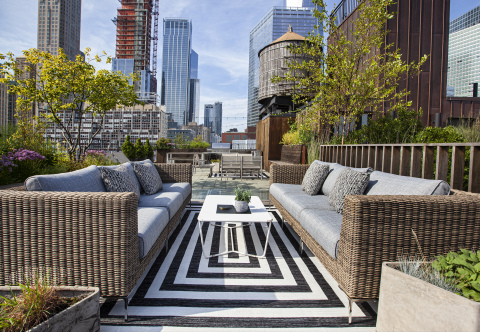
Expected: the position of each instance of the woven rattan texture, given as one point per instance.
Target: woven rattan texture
(175, 172)
(376, 229)
(85, 239)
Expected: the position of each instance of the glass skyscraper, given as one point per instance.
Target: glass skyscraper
(213, 117)
(464, 53)
(194, 99)
(177, 41)
(299, 14)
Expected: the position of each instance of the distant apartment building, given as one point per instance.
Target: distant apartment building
(59, 26)
(176, 62)
(298, 14)
(464, 53)
(186, 134)
(200, 131)
(230, 136)
(3, 103)
(139, 121)
(213, 114)
(136, 45)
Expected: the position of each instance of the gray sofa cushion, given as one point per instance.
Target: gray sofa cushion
(151, 223)
(88, 179)
(294, 200)
(172, 201)
(148, 177)
(120, 179)
(335, 170)
(129, 166)
(390, 184)
(314, 178)
(184, 188)
(349, 182)
(324, 226)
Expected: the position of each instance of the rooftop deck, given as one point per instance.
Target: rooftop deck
(204, 185)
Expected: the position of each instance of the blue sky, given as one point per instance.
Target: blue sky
(221, 31)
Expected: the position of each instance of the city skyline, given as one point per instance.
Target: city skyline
(221, 39)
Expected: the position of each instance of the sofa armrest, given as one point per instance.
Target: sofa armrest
(290, 174)
(175, 172)
(376, 229)
(83, 238)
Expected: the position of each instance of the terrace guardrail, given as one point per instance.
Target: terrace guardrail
(445, 161)
(343, 10)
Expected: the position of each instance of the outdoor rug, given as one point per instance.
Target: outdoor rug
(283, 290)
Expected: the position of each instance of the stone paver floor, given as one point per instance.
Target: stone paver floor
(204, 185)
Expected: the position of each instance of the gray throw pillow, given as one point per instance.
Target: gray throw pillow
(120, 179)
(314, 178)
(349, 182)
(148, 177)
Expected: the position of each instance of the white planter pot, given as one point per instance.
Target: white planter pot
(241, 206)
(82, 316)
(407, 303)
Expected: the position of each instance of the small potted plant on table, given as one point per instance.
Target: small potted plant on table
(242, 198)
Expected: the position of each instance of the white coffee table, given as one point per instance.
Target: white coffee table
(209, 214)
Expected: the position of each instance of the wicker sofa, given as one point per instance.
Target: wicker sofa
(89, 238)
(375, 228)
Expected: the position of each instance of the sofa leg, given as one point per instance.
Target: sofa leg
(283, 222)
(300, 248)
(166, 245)
(125, 301)
(350, 307)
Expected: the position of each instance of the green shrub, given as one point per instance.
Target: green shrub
(139, 149)
(163, 144)
(439, 135)
(128, 148)
(147, 149)
(386, 129)
(463, 269)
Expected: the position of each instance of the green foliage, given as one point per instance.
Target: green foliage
(139, 149)
(163, 144)
(299, 133)
(128, 149)
(181, 143)
(439, 135)
(147, 149)
(462, 268)
(471, 133)
(62, 86)
(243, 195)
(344, 78)
(386, 129)
(37, 302)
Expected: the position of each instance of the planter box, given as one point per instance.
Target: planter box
(82, 316)
(409, 304)
(292, 154)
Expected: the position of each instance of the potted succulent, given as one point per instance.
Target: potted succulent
(443, 295)
(38, 305)
(242, 198)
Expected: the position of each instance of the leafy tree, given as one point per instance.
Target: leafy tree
(66, 91)
(163, 144)
(139, 149)
(349, 76)
(148, 150)
(128, 149)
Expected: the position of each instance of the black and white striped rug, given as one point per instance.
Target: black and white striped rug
(284, 290)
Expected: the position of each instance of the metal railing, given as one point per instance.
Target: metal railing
(344, 9)
(445, 161)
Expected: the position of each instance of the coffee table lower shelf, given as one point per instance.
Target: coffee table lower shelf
(230, 229)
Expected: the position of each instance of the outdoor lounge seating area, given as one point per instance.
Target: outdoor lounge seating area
(123, 243)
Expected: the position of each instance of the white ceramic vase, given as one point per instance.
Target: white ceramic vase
(241, 206)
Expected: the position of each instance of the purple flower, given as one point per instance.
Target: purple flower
(7, 160)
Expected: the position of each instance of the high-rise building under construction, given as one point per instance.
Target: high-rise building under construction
(136, 45)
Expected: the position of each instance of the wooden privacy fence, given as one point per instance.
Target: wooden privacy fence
(428, 161)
